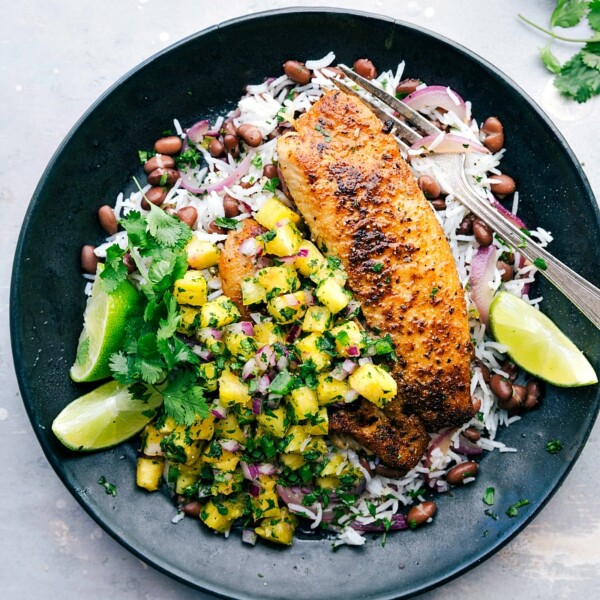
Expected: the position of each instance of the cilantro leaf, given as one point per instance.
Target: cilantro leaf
(591, 59)
(119, 365)
(167, 230)
(168, 325)
(135, 226)
(115, 271)
(568, 13)
(550, 61)
(577, 80)
(271, 185)
(594, 15)
(184, 399)
(227, 223)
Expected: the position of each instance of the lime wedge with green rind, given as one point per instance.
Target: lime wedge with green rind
(104, 324)
(537, 345)
(104, 417)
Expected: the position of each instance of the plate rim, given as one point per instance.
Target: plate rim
(15, 335)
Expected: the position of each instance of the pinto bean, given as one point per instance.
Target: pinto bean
(160, 160)
(510, 369)
(466, 225)
(365, 68)
(297, 72)
(386, 471)
(501, 387)
(429, 185)
(483, 233)
(216, 148)
(232, 144)
(250, 134)
(168, 145)
(187, 215)
(438, 204)
(534, 391)
(163, 177)
(476, 402)
(230, 206)
(214, 228)
(228, 127)
(485, 372)
(155, 195)
(421, 513)
(193, 508)
(107, 218)
(408, 86)
(505, 185)
(472, 434)
(129, 263)
(459, 473)
(89, 260)
(493, 132)
(506, 271)
(270, 171)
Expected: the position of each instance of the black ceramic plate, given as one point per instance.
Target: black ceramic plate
(204, 75)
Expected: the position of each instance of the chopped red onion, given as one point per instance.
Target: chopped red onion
(250, 247)
(353, 305)
(248, 369)
(267, 469)
(365, 360)
(206, 332)
(257, 405)
(398, 523)
(291, 300)
(353, 351)
(282, 363)
(204, 353)
(349, 366)
(483, 267)
(437, 96)
(218, 411)
(302, 253)
(263, 386)
(249, 471)
(254, 489)
(516, 221)
(467, 447)
(447, 143)
(249, 537)
(442, 441)
(309, 299)
(230, 445)
(265, 357)
(350, 396)
(247, 328)
(339, 373)
(293, 333)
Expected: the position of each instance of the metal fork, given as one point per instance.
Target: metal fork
(584, 295)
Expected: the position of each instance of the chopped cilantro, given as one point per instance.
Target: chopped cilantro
(271, 185)
(377, 267)
(554, 446)
(512, 511)
(488, 496)
(540, 263)
(109, 488)
(227, 223)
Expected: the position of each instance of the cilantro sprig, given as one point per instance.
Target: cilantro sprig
(579, 77)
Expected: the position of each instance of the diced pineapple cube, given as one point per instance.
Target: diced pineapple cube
(229, 429)
(319, 424)
(316, 444)
(267, 333)
(278, 280)
(325, 271)
(274, 421)
(232, 390)
(168, 425)
(293, 460)
(287, 308)
(267, 482)
(374, 383)
(273, 211)
(266, 504)
(330, 390)
(279, 530)
(332, 295)
(312, 262)
(216, 517)
(303, 401)
(348, 339)
(317, 319)
(252, 292)
(226, 461)
(190, 318)
(298, 438)
(219, 312)
(191, 289)
(239, 344)
(327, 483)
(187, 477)
(202, 254)
(226, 483)
(209, 376)
(309, 348)
(335, 460)
(149, 472)
(151, 438)
(179, 447)
(202, 428)
(286, 240)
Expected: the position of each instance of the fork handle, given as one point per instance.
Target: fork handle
(584, 295)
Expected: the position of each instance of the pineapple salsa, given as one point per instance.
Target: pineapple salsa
(255, 439)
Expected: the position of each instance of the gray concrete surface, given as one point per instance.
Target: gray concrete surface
(56, 58)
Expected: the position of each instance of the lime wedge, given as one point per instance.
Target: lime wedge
(104, 417)
(104, 323)
(537, 345)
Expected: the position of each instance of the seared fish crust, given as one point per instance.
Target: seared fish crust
(361, 202)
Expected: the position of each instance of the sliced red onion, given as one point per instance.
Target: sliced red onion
(267, 469)
(467, 447)
(197, 131)
(282, 363)
(230, 445)
(254, 489)
(365, 360)
(250, 247)
(483, 267)
(293, 333)
(350, 396)
(218, 411)
(349, 366)
(263, 384)
(239, 172)
(249, 471)
(291, 495)
(398, 523)
(443, 441)
(302, 253)
(291, 300)
(248, 369)
(204, 353)
(257, 405)
(265, 357)
(206, 332)
(437, 96)
(353, 351)
(516, 221)
(447, 143)
(247, 328)
(249, 537)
